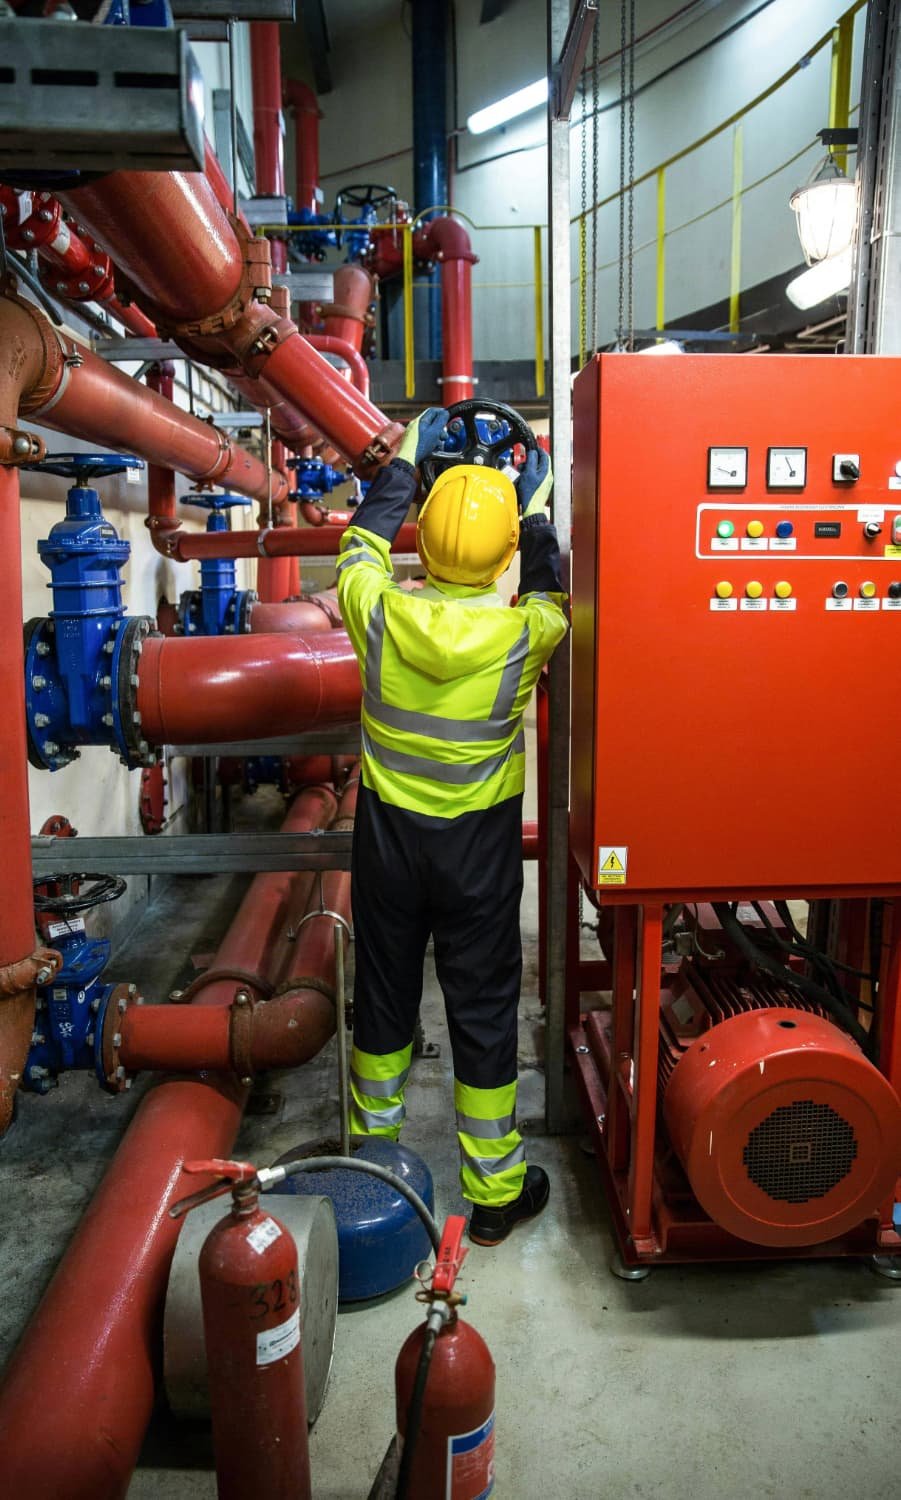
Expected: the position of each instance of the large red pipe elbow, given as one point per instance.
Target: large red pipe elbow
(327, 343)
(347, 316)
(294, 616)
(206, 690)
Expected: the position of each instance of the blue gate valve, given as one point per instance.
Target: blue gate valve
(313, 478)
(82, 659)
(218, 607)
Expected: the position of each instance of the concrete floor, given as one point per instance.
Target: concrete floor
(745, 1383)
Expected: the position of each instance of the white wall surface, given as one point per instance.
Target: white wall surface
(367, 119)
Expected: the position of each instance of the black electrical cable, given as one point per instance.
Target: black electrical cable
(821, 962)
(17, 267)
(808, 949)
(815, 993)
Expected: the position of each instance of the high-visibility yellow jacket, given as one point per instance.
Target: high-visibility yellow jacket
(447, 671)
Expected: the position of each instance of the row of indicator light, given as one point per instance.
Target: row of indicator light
(754, 589)
(867, 590)
(725, 529)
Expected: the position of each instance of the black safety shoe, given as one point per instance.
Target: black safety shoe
(488, 1226)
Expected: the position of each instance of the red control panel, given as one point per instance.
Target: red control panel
(737, 625)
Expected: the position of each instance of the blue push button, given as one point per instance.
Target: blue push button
(784, 529)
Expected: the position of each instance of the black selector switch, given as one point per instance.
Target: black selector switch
(849, 469)
(894, 590)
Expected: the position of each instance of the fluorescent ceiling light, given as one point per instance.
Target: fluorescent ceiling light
(666, 346)
(824, 280)
(507, 109)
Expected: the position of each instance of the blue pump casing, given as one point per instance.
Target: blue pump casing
(380, 1237)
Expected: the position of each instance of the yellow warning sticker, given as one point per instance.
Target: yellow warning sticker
(613, 864)
(891, 550)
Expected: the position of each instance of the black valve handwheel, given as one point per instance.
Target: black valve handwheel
(477, 449)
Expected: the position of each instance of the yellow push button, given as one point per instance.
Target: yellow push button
(755, 528)
(783, 590)
(868, 590)
(724, 590)
(753, 589)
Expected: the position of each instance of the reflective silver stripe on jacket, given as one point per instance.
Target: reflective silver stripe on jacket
(359, 554)
(435, 726)
(492, 1166)
(500, 723)
(436, 770)
(511, 677)
(380, 1088)
(375, 640)
(486, 1130)
(395, 1114)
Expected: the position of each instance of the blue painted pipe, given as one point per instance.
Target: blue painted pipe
(430, 26)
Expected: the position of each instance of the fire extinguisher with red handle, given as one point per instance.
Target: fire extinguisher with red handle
(444, 1382)
(250, 1291)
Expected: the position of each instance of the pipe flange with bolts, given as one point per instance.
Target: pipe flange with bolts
(108, 1039)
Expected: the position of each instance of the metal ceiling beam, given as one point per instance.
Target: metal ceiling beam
(315, 28)
(567, 67)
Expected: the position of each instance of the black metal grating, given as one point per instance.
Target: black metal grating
(800, 1151)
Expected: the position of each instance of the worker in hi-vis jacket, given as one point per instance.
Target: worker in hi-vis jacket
(447, 674)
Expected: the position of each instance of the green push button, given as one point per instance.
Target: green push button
(725, 529)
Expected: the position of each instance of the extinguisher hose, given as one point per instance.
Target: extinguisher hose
(269, 1176)
(437, 1317)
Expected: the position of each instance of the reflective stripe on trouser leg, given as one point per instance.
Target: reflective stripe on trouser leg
(377, 1083)
(492, 1155)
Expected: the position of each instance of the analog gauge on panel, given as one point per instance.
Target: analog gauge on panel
(786, 468)
(727, 468)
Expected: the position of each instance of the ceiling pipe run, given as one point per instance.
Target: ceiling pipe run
(93, 1347)
(268, 123)
(307, 114)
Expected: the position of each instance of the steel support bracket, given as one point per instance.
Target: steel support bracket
(568, 69)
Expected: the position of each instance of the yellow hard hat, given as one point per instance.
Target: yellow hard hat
(469, 525)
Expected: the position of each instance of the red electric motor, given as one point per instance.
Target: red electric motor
(250, 1289)
(444, 1382)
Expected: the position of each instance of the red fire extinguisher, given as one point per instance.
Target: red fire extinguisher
(444, 1382)
(250, 1290)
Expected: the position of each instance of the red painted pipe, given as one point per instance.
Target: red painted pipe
(97, 402)
(446, 241)
(93, 1346)
(347, 316)
(191, 267)
(281, 541)
(170, 235)
(268, 145)
(208, 689)
(17, 928)
(307, 114)
(295, 616)
(327, 343)
(212, 171)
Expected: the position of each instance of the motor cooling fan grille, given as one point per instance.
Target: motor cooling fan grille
(800, 1151)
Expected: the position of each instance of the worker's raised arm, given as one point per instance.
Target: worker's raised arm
(541, 593)
(364, 560)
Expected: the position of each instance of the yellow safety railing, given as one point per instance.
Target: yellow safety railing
(841, 39)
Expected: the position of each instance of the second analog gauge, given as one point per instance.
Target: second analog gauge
(786, 468)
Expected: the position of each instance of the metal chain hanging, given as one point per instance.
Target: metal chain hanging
(595, 67)
(631, 179)
(621, 306)
(583, 210)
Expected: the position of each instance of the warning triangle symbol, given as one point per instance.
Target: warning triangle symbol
(613, 865)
